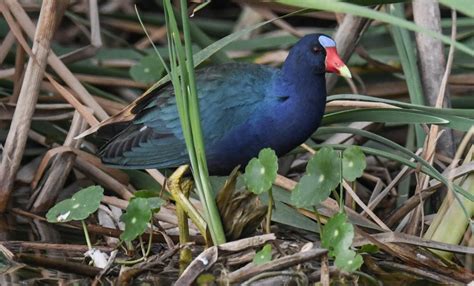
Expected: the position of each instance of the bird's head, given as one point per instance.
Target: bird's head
(318, 53)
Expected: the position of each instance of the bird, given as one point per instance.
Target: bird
(244, 107)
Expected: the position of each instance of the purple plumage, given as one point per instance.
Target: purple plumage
(244, 108)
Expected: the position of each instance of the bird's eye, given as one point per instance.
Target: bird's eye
(316, 49)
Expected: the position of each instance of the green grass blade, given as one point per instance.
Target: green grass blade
(207, 52)
(406, 52)
(458, 119)
(468, 113)
(342, 7)
(183, 79)
(373, 2)
(406, 116)
(203, 40)
(214, 220)
(463, 6)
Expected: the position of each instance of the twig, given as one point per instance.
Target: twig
(446, 280)
(58, 66)
(6, 45)
(408, 206)
(281, 23)
(204, 261)
(431, 141)
(29, 245)
(126, 275)
(397, 237)
(242, 244)
(100, 230)
(329, 204)
(278, 278)
(110, 264)
(17, 135)
(100, 176)
(364, 207)
(426, 14)
(96, 39)
(157, 176)
(60, 169)
(356, 104)
(246, 272)
(325, 271)
(373, 204)
(69, 97)
(20, 58)
(59, 264)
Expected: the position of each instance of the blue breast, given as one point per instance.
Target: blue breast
(289, 113)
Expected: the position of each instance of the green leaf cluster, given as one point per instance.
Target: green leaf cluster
(337, 237)
(323, 174)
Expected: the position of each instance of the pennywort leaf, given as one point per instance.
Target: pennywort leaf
(337, 237)
(79, 207)
(353, 163)
(322, 176)
(263, 256)
(136, 218)
(148, 70)
(261, 172)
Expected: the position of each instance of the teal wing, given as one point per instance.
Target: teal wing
(228, 95)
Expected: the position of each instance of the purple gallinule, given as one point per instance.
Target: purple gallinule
(244, 108)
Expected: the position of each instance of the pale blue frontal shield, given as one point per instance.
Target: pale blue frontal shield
(326, 42)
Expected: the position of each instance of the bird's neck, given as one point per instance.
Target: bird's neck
(302, 83)
(297, 116)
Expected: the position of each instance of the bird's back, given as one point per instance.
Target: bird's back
(229, 96)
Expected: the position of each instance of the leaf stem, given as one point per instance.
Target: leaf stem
(142, 247)
(150, 240)
(268, 220)
(337, 197)
(86, 235)
(341, 180)
(318, 219)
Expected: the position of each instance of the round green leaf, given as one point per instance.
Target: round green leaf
(254, 177)
(348, 261)
(326, 166)
(136, 218)
(261, 172)
(61, 212)
(337, 234)
(148, 70)
(368, 248)
(322, 176)
(79, 207)
(264, 255)
(353, 163)
(308, 192)
(154, 201)
(269, 160)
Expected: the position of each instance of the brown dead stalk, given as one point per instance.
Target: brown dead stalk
(18, 133)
